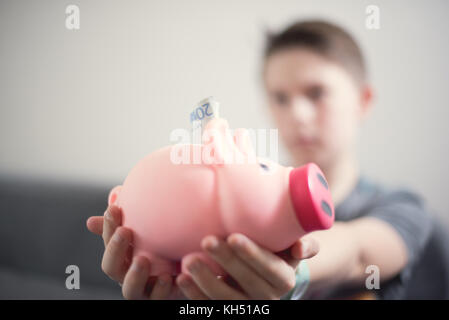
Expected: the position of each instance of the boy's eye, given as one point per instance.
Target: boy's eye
(281, 98)
(315, 93)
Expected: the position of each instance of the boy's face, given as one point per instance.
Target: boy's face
(315, 103)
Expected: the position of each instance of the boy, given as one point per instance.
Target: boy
(318, 94)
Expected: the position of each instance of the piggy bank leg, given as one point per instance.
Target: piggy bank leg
(214, 266)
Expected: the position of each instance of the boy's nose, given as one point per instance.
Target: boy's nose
(303, 110)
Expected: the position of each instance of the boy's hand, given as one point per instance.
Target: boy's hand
(255, 272)
(132, 275)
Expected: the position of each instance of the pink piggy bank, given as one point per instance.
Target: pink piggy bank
(171, 201)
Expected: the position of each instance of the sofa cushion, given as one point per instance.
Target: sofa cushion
(43, 230)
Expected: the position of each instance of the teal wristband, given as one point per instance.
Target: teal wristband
(302, 282)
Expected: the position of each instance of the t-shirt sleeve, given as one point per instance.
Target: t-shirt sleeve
(407, 213)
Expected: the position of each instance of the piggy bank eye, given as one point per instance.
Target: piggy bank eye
(264, 166)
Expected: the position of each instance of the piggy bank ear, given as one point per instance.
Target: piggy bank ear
(218, 142)
(113, 195)
(244, 144)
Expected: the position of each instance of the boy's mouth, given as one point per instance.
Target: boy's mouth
(305, 141)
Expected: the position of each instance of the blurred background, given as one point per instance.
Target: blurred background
(78, 108)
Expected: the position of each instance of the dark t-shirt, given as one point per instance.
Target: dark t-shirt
(405, 211)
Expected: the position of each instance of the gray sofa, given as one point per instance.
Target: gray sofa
(43, 230)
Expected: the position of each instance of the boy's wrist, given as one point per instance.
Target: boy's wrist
(302, 282)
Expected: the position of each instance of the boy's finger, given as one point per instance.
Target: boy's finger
(162, 287)
(208, 282)
(136, 279)
(301, 249)
(268, 265)
(292, 262)
(189, 288)
(251, 283)
(305, 248)
(112, 220)
(114, 262)
(95, 224)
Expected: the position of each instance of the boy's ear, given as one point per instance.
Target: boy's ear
(366, 100)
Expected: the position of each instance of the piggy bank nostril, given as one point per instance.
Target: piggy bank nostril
(264, 166)
(322, 180)
(326, 208)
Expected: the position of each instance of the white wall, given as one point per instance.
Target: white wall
(87, 104)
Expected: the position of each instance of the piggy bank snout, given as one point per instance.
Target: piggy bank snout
(311, 198)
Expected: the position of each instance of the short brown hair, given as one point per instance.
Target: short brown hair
(325, 38)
